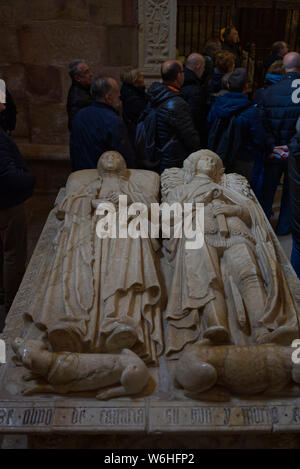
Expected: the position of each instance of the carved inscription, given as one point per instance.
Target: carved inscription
(122, 416)
(260, 415)
(38, 417)
(6, 416)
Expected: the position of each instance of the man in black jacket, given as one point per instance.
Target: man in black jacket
(194, 92)
(231, 44)
(79, 94)
(16, 186)
(280, 112)
(176, 135)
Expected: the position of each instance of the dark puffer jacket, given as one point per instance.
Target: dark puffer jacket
(16, 182)
(294, 181)
(79, 97)
(279, 112)
(175, 130)
(194, 93)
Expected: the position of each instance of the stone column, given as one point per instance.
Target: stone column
(157, 35)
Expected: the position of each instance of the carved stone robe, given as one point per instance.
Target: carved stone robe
(96, 284)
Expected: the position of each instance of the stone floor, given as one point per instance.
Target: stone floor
(38, 208)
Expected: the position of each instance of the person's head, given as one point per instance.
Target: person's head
(212, 48)
(106, 90)
(203, 162)
(225, 62)
(133, 77)
(172, 73)
(280, 48)
(231, 35)
(238, 80)
(277, 68)
(80, 72)
(196, 63)
(111, 161)
(291, 62)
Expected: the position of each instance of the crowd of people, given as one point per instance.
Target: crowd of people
(205, 103)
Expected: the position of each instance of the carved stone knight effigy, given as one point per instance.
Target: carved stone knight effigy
(233, 289)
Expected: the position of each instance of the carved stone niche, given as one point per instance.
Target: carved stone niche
(157, 35)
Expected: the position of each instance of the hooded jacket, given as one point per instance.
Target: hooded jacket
(270, 79)
(248, 120)
(175, 131)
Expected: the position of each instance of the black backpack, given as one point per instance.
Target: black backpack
(148, 154)
(225, 138)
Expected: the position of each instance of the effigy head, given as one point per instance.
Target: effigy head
(111, 161)
(203, 162)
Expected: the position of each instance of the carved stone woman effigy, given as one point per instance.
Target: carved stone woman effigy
(102, 295)
(233, 289)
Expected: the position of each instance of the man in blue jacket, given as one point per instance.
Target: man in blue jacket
(235, 102)
(16, 186)
(280, 110)
(99, 128)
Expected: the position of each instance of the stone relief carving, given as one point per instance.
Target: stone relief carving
(102, 294)
(62, 373)
(157, 20)
(215, 372)
(231, 311)
(233, 289)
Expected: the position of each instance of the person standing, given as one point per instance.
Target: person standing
(294, 181)
(231, 44)
(194, 92)
(176, 136)
(280, 113)
(79, 95)
(16, 186)
(279, 50)
(134, 99)
(99, 128)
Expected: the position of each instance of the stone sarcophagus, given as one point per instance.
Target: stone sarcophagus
(120, 328)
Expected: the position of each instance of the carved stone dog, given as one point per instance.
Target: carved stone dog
(67, 372)
(214, 372)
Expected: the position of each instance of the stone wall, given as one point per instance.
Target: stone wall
(39, 38)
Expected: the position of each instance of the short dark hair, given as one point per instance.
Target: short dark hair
(101, 86)
(277, 46)
(170, 73)
(73, 67)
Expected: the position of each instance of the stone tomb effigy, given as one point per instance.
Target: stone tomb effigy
(207, 332)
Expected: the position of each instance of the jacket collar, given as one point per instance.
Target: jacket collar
(103, 106)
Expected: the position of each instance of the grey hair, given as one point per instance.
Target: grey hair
(101, 86)
(73, 68)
